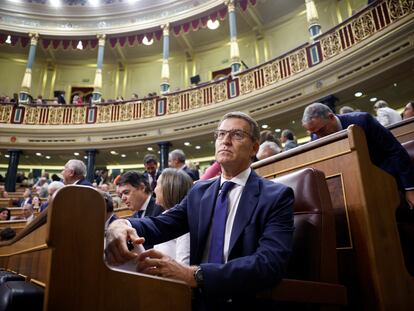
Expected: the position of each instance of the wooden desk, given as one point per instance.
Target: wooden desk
(404, 130)
(65, 254)
(370, 261)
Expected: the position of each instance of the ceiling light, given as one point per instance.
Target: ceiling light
(94, 2)
(145, 41)
(114, 152)
(187, 143)
(358, 94)
(55, 3)
(123, 155)
(395, 84)
(38, 154)
(150, 148)
(198, 147)
(278, 130)
(132, 1)
(265, 126)
(213, 25)
(76, 153)
(80, 45)
(373, 99)
(293, 122)
(85, 157)
(8, 40)
(7, 156)
(47, 157)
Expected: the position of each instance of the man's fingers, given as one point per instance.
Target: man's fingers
(151, 253)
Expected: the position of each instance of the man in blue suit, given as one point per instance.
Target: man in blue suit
(74, 173)
(257, 233)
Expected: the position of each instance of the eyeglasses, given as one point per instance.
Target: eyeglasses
(234, 134)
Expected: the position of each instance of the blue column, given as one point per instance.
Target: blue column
(164, 150)
(27, 78)
(234, 46)
(90, 164)
(165, 71)
(10, 183)
(313, 19)
(97, 91)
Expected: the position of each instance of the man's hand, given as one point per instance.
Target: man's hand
(117, 236)
(156, 263)
(409, 196)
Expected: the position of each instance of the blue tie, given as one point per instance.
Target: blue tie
(219, 224)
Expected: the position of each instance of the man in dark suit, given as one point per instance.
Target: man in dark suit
(27, 198)
(231, 260)
(176, 159)
(74, 173)
(135, 192)
(151, 170)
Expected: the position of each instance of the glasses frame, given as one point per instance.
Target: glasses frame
(232, 134)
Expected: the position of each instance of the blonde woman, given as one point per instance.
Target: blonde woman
(172, 187)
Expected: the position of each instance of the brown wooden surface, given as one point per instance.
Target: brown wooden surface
(66, 255)
(16, 225)
(6, 202)
(373, 267)
(404, 130)
(123, 212)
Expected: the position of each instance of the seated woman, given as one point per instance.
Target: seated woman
(4, 214)
(172, 187)
(36, 202)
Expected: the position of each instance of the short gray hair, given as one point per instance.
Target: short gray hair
(381, 104)
(315, 111)
(254, 127)
(55, 185)
(288, 134)
(77, 166)
(268, 145)
(177, 154)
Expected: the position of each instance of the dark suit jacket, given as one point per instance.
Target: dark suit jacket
(157, 174)
(44, 206)
(192, 173)
(260, 242)
(384, 149)
(84, 182)
(20, 203)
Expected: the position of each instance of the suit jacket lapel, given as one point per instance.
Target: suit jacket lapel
(207, 204)
(247, 205)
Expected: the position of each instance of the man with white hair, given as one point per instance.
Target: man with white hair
(54, 185)
(268, 149)
(386, 115)
(74, 173)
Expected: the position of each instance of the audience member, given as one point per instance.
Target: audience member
(408, 110)
(53, 187)
(104, 187)
(212, 171)
(230, 260)
(267, 135)
(36, 202)
(151, 170)
(385, 115)
(176, 159)
(267, 149)
(288, 138)
(116, 202)
(110, 216)
(28, 212)
(7, 234)
(172, 187)
(41, 188)
(27, 198)
(4, 214)
(135, 192)
(74, 172)
(346, 109)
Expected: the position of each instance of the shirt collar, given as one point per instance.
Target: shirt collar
(240, 179)
(145, 205)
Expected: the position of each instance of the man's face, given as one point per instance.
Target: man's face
(67, 174)
(408, 111)
(27, 211)
(172, 162)
(322, 127)
(233, 152)
(133, 197)
(151, 167)
(26, 193)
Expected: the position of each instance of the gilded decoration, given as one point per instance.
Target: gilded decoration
(148, 109)
(363, 26)
(79, 115)
(126, 112)
(32, 115)
(104, 114)
(173, 105)
(247, 82)
(220, 91)
(331, 45)
(400, 8)
(56, 115)
(196, 99)
(5, 113)
(271, 73)
(298, 61)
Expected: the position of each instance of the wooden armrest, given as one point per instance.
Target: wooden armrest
(307, 292)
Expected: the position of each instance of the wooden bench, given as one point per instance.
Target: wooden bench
(403, 130)
(16, 225)
(365, 198)
(6, 202)
(123, 212)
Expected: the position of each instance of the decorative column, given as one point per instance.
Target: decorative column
(165, 71)
(97, 91)
(90, 164)
(313, 19)
(164, 150)
(234, 46)
(27, 78)
(10, 184)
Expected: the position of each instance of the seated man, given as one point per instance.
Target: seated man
(74, 173)
(230, 259)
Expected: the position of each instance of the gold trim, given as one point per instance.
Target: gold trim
(304, 165)
(38, 283)
(346, 210)
(22, 275)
